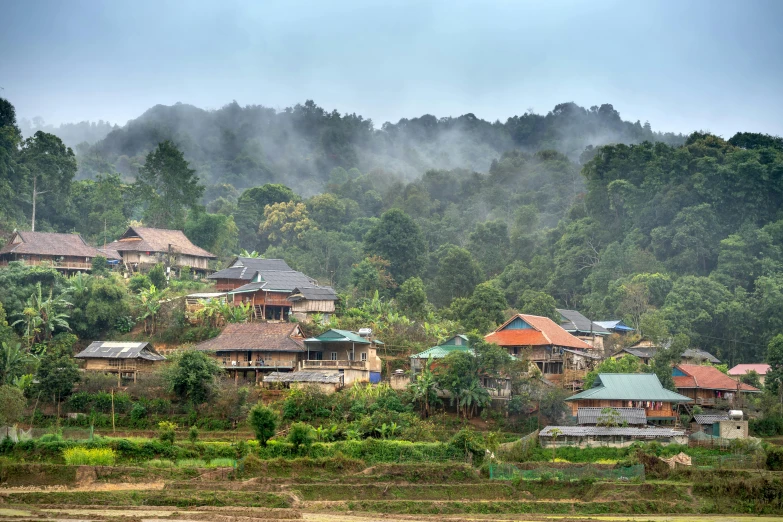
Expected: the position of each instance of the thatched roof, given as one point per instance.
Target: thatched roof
(49, 244)
(256, 337)
(143, 239)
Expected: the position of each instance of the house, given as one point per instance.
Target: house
(141, 248)
(343, 352)
(458, 343)
(327, 382)
(123, 358)
(273, 289)
(248, 350)
(559, 355)
(613, 437)
(67, 253)
(722, 426)
(707, 385)
(583, 328)
(741, 369)
(630, 390)
(309, 300)
(615, 326)
(497, 387)
(645, 351)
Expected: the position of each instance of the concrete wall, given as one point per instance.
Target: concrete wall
(606, 442)
(731, 429)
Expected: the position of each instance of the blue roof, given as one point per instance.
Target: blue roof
(616, 325)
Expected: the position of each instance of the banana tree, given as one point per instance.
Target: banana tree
(43, 316)
(149, 300)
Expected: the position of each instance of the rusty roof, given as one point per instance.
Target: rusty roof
(49, 244)
(708, 378)
(256, 337)
(143, 239)
(542, 331)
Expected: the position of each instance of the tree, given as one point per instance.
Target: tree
(539, 303)
(457, 276)
(51, 167)
(663, 360)
(751, 378)
(372, 275)
(43, 316)
(215, 233)
(483, 310)
(490, 244)
(300, 435)
(424, 389)
(149, 302)
(412, 298)
(12, 405)
(285, 223)
(774, 379)
(157, 276)
(14, 362)
(192, 376)
(398, 239)
(168, 186)
(250, 210)
(263, 421)
(625, 364)
(57, 372)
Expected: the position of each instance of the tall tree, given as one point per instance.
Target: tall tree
(51, 167)
(168, 186)
(398, 239)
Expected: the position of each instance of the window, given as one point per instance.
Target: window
(350, 356)
(333, 356)
(364, 356)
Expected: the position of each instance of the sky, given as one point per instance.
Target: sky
(710, 65)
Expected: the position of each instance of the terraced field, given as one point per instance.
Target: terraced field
(387, 492)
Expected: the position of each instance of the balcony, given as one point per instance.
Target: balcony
(62, 265)
(334, 365)
(271, 364)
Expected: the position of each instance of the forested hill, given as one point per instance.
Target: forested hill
(299, 146)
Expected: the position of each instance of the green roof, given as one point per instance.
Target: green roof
(629, 387)
(338, 336)
(439, 352)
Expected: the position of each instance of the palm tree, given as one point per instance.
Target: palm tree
(42, 317)
(245, 253)
(150, 302)
(12, 362)
(424, 389)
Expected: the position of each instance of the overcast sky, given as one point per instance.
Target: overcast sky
(683, 65)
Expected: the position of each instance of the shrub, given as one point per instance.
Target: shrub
(160, 463)
(221, 463)
(300, 435)
(138, 412)
(263, 421)
(91, 457)
(775, 458)
(139, 282)
(193, 434)
(167, 431)
(191, 463)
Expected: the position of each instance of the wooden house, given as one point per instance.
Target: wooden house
(583, 328)
(560, 356)
(248, 350)
(707, 385)
(646, 351)
(630, 390)
(141, 248)
(67, 253)
(273, 289)
(126, 359)
(741, 369)
(344, 352)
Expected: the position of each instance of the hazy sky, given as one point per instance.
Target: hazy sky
(682, 65)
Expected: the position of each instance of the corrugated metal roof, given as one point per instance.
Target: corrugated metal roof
(257, 263)
(629, 387)
(120, 350)
(600, 431)
(742, 369)
(709, 419)
(286, 280)
(313, 293)
(234, 272)
(338, 336)
(700, 355)
(304, 376)
(439, 352)
(574, 321)
(595, 415)
(616, 325)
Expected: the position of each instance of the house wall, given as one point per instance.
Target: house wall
(731, 429)
(113, 365)
(399, 381)
(307, 306)
(130, 257)
(737, 378)
(665, 411)
(263, 359)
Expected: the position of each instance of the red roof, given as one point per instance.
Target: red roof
(544, 332)
(707, 378)
(742, 369)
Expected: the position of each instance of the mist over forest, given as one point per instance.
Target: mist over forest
(575, 208)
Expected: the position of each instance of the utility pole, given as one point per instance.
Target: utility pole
(35, 195)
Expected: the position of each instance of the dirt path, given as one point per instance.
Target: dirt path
(123, 486)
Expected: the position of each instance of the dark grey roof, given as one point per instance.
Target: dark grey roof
(250, 287)
(627, 415)
(304, 376)
(285, 279)
(573, 321)
(641, 352)
(119, 350)
(258, 264)
(585, 431)
(236, 272)
(709, 419)
(314, 293)
(701, 355)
